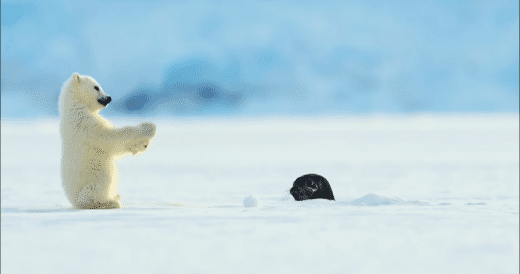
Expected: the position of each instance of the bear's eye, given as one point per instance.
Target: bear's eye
(97, 88)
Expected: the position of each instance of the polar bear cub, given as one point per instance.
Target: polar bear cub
(90, 144)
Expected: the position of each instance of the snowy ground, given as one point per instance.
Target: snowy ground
(425, 194)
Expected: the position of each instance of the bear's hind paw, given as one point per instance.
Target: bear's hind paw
(102, 205)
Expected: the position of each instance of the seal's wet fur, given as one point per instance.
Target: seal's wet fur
(311, 186)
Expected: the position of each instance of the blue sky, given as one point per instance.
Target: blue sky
(264, 57)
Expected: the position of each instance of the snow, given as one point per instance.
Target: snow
(414, 194)
(250, 201)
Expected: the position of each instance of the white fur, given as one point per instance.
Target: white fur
(90, 144)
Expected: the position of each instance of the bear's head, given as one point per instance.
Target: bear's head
(86, 90)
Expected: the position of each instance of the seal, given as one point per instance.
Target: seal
(311, 186)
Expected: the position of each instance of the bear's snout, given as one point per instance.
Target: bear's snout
(104, 100)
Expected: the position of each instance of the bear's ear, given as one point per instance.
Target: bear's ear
(76, 77)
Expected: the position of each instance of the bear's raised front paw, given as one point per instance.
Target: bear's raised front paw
(148, 129)
(139, 146)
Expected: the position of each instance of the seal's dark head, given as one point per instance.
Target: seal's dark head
(311, 186)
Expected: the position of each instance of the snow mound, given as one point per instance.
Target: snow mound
(376, 200)
(250, 201)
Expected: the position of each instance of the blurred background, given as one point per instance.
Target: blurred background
(263, 58)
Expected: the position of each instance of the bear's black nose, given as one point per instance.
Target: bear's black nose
(105, 100)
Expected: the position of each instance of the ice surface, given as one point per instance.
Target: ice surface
(428, 194)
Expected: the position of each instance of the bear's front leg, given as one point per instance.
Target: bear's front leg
(142, 140)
